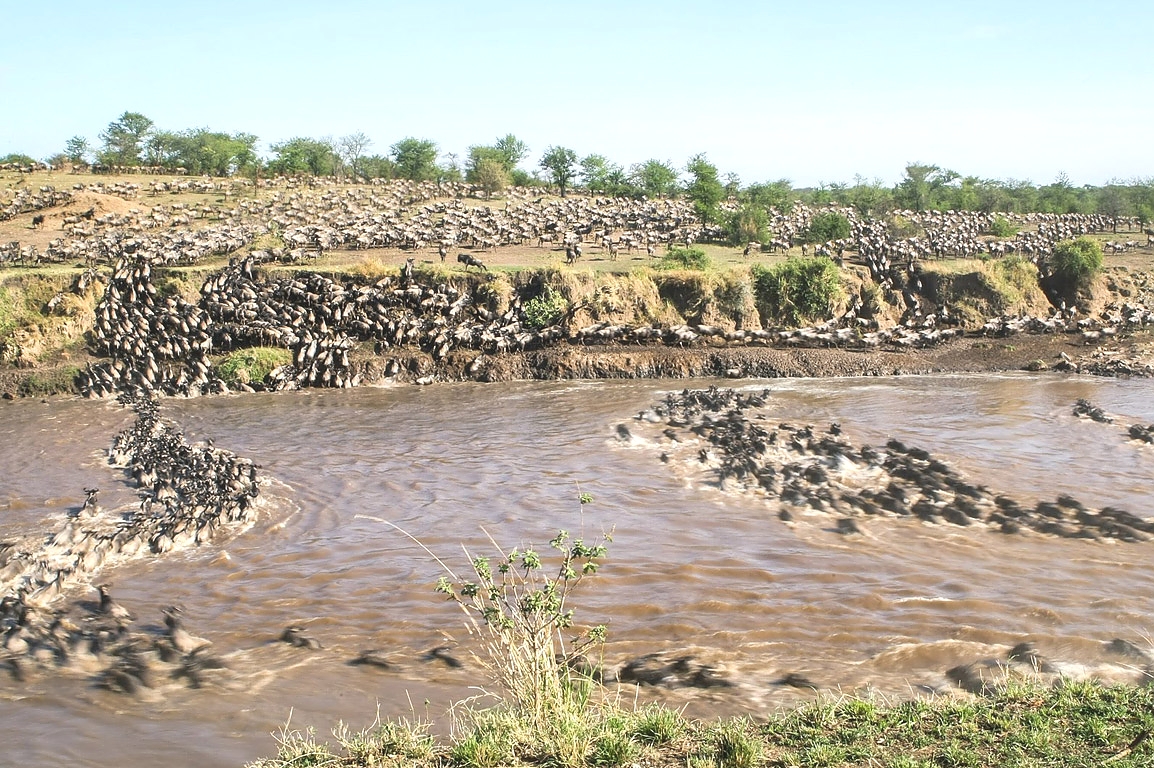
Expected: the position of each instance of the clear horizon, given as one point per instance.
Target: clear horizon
(1010, 91)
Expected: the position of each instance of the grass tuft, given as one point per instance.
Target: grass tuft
(684, 258)
(252, 365)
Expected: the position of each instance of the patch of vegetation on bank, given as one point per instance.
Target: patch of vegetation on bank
(60, 380)
(251, 365)
(797, 291)
(545, 310)
(1074, 265)
(684, 258)
(552, 709)
(31, 333)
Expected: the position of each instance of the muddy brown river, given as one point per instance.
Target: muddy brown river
(692, 569)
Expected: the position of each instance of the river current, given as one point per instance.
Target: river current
(692, 569)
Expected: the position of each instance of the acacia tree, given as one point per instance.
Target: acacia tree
(491, 176)
(512, 149)
(124, 139)
(770, 194)
(450, 170)
(921, 186)
(216, 153)
(76, 151)
(560, 162)
(654, 178)
(378, 167)
(416, 159)
(351, 149)
(594, 172)
(1112, 202)
(301, 155)
(161, 148)
(704, 189)
(507, 151)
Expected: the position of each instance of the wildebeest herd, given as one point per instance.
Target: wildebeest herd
(190, 494)
(165, 343)
(820, 472)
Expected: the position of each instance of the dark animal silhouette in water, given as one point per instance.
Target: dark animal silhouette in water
(441, 653)
(295, 636)
(469, 260)
(373, 658)
(1085, 408)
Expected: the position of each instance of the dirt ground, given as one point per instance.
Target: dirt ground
(508, 257)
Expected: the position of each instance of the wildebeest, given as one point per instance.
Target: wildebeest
(38, 221)
(469, 260)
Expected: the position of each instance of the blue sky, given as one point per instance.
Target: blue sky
(811, 92)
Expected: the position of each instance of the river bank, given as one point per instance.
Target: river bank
(1027, 725)
(67, 332)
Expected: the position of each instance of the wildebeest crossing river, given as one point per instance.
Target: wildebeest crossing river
(693, 570)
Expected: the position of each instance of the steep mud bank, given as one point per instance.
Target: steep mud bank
(344, 329)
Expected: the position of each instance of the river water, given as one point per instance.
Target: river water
(692, 570)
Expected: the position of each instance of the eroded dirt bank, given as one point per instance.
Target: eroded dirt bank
(175, 333)
(1134, 356)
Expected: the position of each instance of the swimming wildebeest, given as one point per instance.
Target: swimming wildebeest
(469, 260)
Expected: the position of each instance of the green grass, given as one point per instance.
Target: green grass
(545, 310)
(684, 258)
(1023, 725)
(247, 366)
(49, 381)
(798, 290)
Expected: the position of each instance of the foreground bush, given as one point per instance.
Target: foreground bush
(796, 291)
(545, 310)
(553, 711)
(1076, 262)
(828, 226)
(684, 258)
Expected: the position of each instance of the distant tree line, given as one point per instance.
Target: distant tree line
(742, 211)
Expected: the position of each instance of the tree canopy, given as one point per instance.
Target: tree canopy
(560, 162)
(704, 189)
(922, 186)
(303, 156)
(506, 152)
(654, 178)
(201, 151)
(77, 149)
(124, 139)
(133, 139)
(416, 159)
(491, 176)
